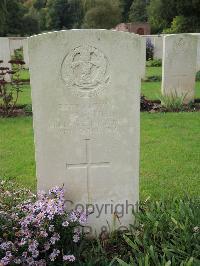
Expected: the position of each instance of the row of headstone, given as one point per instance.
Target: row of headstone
(157, 42)
(8, 45)
(87, 131)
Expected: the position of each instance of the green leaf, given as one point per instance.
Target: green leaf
(122, 263)
(130, 243)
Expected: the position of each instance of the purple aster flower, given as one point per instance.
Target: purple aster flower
(5, 261)
(35, 253)
(17, 261)
(65, 224)
(76, 238)
(30, 261)
(54, 254)
(47, 246)
(70, 258)
(73, 217)
(51, 228)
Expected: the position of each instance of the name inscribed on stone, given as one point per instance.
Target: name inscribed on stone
(96, 118)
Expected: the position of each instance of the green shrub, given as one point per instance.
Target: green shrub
(10, 91)
(154, 63)
(28, 109)
(198, 76)
(173, 102)
(18, 54)
(166, 233)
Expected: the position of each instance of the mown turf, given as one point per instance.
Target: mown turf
(17, 150)
(170, 153)
(153, 71)
(152, 90)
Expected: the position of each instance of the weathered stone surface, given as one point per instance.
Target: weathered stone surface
(158, 47)
(143, 58)
(25, 52)
(198, 49)
(157, 42)
(86, 100)
(15, 43)
(179, 66)
(5, 51)
(198, 52)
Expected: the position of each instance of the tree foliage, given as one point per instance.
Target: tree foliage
(105, 15)
(2, 14)
(63, 14)
(138, 11)
(125, 5)
(26, 17)
(174, 16)
(161, 14)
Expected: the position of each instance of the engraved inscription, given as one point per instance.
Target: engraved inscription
(88, 164)
(96, 118)
(85, 71)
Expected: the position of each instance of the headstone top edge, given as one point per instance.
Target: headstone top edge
(46, 34)
(189, 35)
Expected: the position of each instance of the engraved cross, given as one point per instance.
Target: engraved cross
(88, 164)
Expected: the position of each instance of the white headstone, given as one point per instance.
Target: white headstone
(179, 66)
(5, 51)
(15, 43)
(25, 52)
(198, 53)
(198, 50)
(143, 58)
(86, 102)
(157, 42)
(158, 47)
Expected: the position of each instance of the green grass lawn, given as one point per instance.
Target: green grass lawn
(24, 74)
(153, 71)
(25, 95)
(17, 150)
(170, 147)
(152, 90)
(170, 153)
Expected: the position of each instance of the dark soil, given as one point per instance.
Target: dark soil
(17, 111)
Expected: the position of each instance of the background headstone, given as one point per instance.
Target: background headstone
(198, 50)
(15, 43)
(5, 51)
(179, 65)
(143, 58)
(158, 47)
(157, 42)
(25, 52)
(86, 103)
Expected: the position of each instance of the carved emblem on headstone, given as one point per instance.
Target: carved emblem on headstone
(181, 45)
(85, 71)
